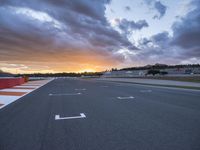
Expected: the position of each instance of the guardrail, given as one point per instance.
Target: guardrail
(10, 82)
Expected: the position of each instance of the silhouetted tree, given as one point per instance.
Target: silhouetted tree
(153, 72)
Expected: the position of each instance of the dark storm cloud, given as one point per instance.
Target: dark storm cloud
(161, 38)
(127, 8)
(157, 49)
(156, 44)
(158, 6)
(34, 28)
(187, 31)
(127, 26)
(183, 45)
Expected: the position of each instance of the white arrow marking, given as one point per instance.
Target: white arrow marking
(130, 97)
(65, 94)
(80, 89)
(82, 115)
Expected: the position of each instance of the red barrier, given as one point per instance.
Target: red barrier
(10, 82)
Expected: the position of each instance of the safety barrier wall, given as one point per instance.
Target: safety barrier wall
(10, 82)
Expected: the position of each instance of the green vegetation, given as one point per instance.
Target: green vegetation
(153, 72)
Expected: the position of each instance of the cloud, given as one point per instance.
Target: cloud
(158, 6)
(187, 31)
(127, 26)
(161, 38)
(183, 46)
(127, 8)
(157, 46)
(50, 31)
(62, 35)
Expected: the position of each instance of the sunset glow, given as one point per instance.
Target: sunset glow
(97, 35)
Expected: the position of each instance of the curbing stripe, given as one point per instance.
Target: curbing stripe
(24, 94)
(12, 93)
(23, 88)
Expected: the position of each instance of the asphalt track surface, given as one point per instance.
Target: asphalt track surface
(155, 119)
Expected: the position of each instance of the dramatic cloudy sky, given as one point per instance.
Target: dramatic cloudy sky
(94, 35)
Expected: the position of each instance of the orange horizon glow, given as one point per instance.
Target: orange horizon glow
(71, 61)
(72, 70)
(16, 71)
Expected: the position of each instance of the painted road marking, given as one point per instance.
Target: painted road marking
(5, 99)
(16, 90)
(32, 84)
(64, 94)
(12, 93)
(29, 88)
(80, 89)
(129, 97)
(23, 86)
(146, 91)
(82, 115)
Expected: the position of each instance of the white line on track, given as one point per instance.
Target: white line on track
(80, 89)
(146, 91)
(82, 115)
(31, 84)
(25, 86)
(64, 94)
(129, 97)
(16, 90)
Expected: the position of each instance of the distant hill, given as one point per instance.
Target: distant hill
(5, 74)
